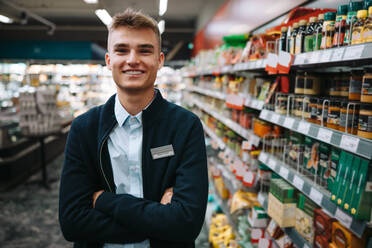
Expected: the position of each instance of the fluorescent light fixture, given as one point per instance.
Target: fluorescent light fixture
(5, 19)
(91, 1)
(104, 16)
(163, 7)
(161, 26)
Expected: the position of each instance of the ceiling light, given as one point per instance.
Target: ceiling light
(161, 26)
(5, 19)
(163, 7)
(104, 16)
(91, 1)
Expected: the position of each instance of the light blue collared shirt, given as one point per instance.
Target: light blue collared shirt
(125, 148)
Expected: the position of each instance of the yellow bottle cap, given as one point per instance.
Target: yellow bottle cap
(321, 16)
(339, 201)
(313, 19)
(353, 211)
(333, 197)
(346, 206)
(295, 25)
(370, 10)
(362, 13)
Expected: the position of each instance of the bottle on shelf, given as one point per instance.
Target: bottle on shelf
(351, 18)
(317, 37)
(357, 34)
(328, 30)
(367, 32)
(292, 40)
(340, 26)
(309, 46)
(283, 39)
(300, 37)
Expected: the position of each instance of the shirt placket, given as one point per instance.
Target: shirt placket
(135, 187)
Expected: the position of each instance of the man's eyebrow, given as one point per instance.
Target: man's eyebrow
(146, 46)
(120, 45)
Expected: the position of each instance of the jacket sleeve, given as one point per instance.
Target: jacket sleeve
(78, 220)
(182, 219)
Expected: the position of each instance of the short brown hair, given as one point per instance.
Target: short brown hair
(136, 20)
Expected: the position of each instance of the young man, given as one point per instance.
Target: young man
(135, 170)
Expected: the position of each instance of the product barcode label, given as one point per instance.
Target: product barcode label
(303, 127)
(283, 172)
(298, 182)
(344, 218)
(288, 122)
(316, 196)
(325, 135)
(337, 54)
(349, 143)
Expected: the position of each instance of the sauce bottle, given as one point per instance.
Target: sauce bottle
(300, 37)
(357, 34)
(351, 19)
(317, 37)
(340, 26)
(309, 46)
(328, 30)
(367, 32)
(283, 40)
(292, 40)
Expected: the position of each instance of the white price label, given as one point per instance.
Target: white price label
(284, 58)
(314, 57)
(263, 157)
(337, 54)
(298, 182)
(248, 102)
(264, 113)
(349, 143)
(288, 122)
(300, 59)
(283, 172)
(275, 118)
(344, 218)
(272, 60)
(325, 135)
(316, 196)
(260, 104)
(326, 55)
(272, 163)
(303, 127)
(353, 52)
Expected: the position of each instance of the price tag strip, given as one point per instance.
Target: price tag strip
(288, 122)
(316, 196)
(298, 182)
(349, 143)
(283, 172)
(325, 135)
(344, 218)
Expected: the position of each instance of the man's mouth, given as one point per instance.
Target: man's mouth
(133, 72)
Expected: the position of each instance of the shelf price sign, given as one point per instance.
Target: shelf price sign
(303, 127)
(325, 135)
(316, 196)
(349, 143)
(298, 182)
(343, 217)
(283, 172)
(337, 54)
(353, 52)
(288, 122)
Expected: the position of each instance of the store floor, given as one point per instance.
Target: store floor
(29, 215)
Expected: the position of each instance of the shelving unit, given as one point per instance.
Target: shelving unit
(316, 194)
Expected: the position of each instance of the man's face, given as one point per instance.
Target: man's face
(134, 58)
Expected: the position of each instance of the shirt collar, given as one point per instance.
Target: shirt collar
(122, 115)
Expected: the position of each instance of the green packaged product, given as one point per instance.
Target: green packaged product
(362, 195)
(346, 180)
(352, 184)
(324, 161)
(345, 160)
(335, 158)
(282, 190)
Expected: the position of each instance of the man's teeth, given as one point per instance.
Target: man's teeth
(133, 72)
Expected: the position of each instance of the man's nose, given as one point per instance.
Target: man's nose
(132, 57)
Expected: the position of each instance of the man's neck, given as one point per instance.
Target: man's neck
(135, 103)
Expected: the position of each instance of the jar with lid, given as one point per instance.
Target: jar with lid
(349, 116)
(306, 110)
(333, 118)
(292, 40)
(367, 86)
(300, 83)
(322, 112)
(298, 105)
(357, 34)
(340, 25)
(311, 84)
(367, 31)
(351, 19)
(355, 86)
(334, 90)
(312, 110)
(328, 30)
(344, 85)
(281, 103)
(365, 121)
(300, 37)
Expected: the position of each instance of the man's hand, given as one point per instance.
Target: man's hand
(167, 197)
(95, 196)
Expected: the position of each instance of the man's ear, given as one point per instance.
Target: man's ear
(108, 61)
(161, 60)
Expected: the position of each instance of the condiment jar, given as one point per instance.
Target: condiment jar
(300, 83)
(357, 35)
(322, 113)
(367, 86)
(311, 84)
(344, 84)
(367, 31)
(349, 117)
(312, 116)
(355, 85)
(333, 119)
(365, 121)
(281, 104)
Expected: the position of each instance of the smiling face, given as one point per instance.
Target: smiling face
(134, 57)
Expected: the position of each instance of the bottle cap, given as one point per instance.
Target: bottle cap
(362, 13)
(330, 16)
(303, 22)
(342, 9)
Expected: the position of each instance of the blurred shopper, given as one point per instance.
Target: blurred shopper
(135, 170)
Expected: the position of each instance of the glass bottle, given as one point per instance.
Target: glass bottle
(300, 37)
(357, 34)
(367, 32)
(328, 30)
(340, 26)
(292, 40)
(309, 46)
(283, 39)
(351, 19)
(317, 37)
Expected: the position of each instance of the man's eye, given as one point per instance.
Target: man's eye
(146, 51)
(121, 50)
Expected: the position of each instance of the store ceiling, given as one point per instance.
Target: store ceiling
(76, 21)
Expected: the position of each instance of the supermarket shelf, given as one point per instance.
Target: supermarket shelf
(211, 134)
(253, 103)
(245, 133)
(319, 196)
(351, 143)
(212, 93)
(296, 238)
(355, 53)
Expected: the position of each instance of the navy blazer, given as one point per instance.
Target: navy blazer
(123, 218)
